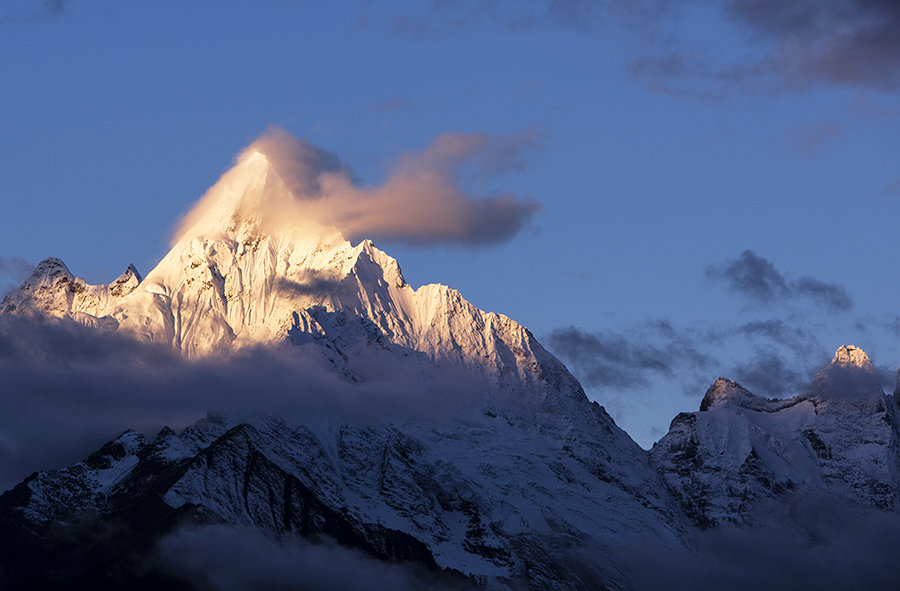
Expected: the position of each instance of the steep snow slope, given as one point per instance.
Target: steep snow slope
(742, 454)
(493, 502)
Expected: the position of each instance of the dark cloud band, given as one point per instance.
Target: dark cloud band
(757, 279)
(793, 45)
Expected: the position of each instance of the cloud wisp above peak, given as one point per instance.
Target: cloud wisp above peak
(812, 139)
(704, 49)
(438, 17)
(773, 45)
(422, 201)
(48, 9)
(757, 279)
(626, 360)
(848, 42)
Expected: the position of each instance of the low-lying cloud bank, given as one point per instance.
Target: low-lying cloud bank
(231, 558)
(68, 389)
(821, 543)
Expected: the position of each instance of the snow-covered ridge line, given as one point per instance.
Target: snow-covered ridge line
(850, 372)
(52, 290)
(742, 457)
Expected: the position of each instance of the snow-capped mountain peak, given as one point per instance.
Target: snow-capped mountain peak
(724, 390)
(248, 267)
(251, 199)
(849, 375)
(850, 355)
(49, 268)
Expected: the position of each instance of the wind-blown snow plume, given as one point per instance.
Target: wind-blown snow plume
(421, 201)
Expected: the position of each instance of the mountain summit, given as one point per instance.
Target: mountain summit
(249, 267)
(849, 355)
(850, 375)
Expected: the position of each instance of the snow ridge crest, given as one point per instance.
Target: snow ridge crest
(724, 390)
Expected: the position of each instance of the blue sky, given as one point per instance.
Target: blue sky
(718, 184)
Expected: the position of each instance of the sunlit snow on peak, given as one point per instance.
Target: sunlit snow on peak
(280, 182)
(851, 356)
